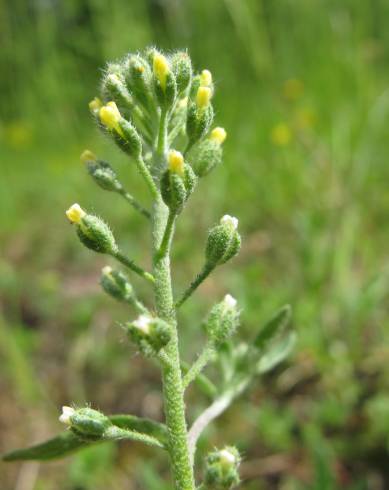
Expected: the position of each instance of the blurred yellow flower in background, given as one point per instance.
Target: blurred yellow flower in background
(281, 135)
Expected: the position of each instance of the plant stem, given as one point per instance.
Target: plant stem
(131, 265)
(173, 391)
(134, 203)
(199, 364)
(207, 269)
(144, 171)
(168, 234)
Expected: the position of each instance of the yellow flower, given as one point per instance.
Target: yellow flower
(110, 117)
(176, 162)
(293, 89)
(75, 213)
(87, 156)
(281, 134)
(218, 134)
(203, 97)
(161, 68)
(206, 78)
(95, 105)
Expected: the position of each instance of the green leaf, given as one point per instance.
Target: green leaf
(68, 442)
(276, 353)
(59, 446)
(273, 327)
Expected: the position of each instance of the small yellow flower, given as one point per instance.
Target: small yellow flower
(176, 162)
(161, 68)
(206, 78)
(75, 213)
(293, 89)
(95, 105)
(218, 134)
(281, 135)
(203, 97)
(110, 117)
(87, 156)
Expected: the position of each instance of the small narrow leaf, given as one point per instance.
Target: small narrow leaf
(277, 353)
(273, 327)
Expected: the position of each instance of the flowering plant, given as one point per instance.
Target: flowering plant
(160, 114)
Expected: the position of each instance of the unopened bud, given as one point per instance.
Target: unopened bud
(110, 117)
(95, 106)
(85, 422)
(182, 69)
(87, 156)
(203, 97)
(221, 471)
(223, 241)
(92, 231)
(161, 69)
(206, 78)
(103, 174)
(222, 320)
(116, 284)
(150, 334)
(218, 134)
(208, 154)
(177, 182)
(199, 118)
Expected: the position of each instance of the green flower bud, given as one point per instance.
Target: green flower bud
(132, 143)
(138, 77)
(198, 120)
(223, 241)
(177, 182)
(209, 153)
(182, 69)
(116, 284)
(221, 471)
(113, 88)
(85, 422)
(194, 86)
(92, 231)
(101, 172)
(223, 320)
(149, 334)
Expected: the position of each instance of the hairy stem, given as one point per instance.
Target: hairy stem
(199, 364)
(171, 373)
(207, 269)
(134, 203)
(131, 265)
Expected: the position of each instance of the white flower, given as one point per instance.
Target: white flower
(143, 323)
(229, 301)
(227, 457)
(106, 270)
(67, 412)
(229, 220)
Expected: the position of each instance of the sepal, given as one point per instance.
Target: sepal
(116, 284)
(182, 69)
(85, 422)
(198, 121)
(209, 153)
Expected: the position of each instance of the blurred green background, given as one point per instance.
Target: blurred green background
(303, 91)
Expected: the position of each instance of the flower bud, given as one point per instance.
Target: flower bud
(203, 97)
(116, 284)
(209, 153)
(199, 119)
(110, 117)
(182, 69)
(206, 79)
(223, 241)
(165, 85)
(132, 144)
(113, 88)
(85, 422)
(177, 182)
(221, 471)
(223, 320)
(101, 172)
(92, 231)
(150, 334)
(138, 79)
(95, 105)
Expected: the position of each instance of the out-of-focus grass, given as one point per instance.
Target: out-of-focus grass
(302, 90)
